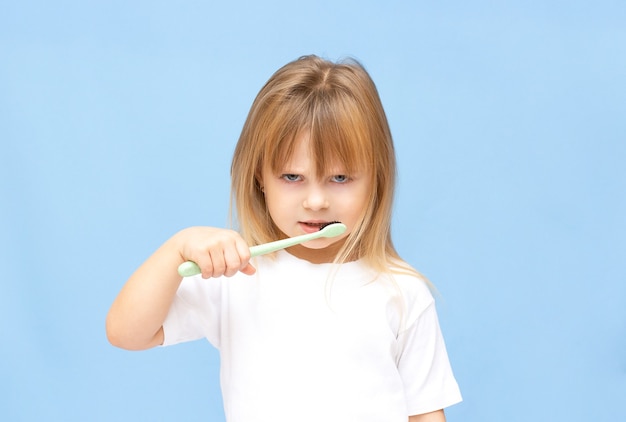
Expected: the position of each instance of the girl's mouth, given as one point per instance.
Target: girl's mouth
(313, 226)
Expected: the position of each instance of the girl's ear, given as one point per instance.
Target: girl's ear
(259, 182)
(258, 176)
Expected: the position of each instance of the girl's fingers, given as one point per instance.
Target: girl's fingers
(248, 269)
(224, 254)
(206, 266)
(218, 263)
(238, 259)
(229, 258)
(244, 253)
(232, 262)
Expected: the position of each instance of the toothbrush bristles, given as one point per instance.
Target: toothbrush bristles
(323, 226)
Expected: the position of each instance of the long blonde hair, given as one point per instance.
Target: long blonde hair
(338, 104)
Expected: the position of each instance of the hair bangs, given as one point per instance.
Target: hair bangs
(338, 139)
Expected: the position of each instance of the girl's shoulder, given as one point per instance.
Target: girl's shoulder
(411, 283)
(416, 289)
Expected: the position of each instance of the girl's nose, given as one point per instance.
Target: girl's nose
(316, 199)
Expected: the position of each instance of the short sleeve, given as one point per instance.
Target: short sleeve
(194, 313)
(424, 365)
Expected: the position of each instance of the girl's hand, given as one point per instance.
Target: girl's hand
(216, 251)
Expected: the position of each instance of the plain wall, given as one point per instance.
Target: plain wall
(117, 125)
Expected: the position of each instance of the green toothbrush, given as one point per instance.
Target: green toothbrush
(189, 268)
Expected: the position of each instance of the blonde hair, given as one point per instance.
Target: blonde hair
(339, 106)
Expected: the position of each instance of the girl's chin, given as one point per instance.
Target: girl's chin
(317, 251)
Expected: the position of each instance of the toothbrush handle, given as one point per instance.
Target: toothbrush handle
(277, 245)
(190, 268)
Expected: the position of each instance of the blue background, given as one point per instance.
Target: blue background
(118, 121)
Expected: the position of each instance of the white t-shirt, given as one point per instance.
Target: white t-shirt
(318, 342)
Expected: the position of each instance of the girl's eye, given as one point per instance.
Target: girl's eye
(340, 178)
(291, 177)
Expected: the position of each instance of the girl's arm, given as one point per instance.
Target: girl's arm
(136, 316)
(437, 416)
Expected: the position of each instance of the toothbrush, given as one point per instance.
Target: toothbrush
(189, 268)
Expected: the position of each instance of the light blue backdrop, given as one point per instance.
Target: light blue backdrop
(118, 120)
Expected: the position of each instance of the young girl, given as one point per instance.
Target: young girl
(335, 329)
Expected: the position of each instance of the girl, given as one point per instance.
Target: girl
(335, 329)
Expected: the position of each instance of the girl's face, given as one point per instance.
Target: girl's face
(300, 201)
